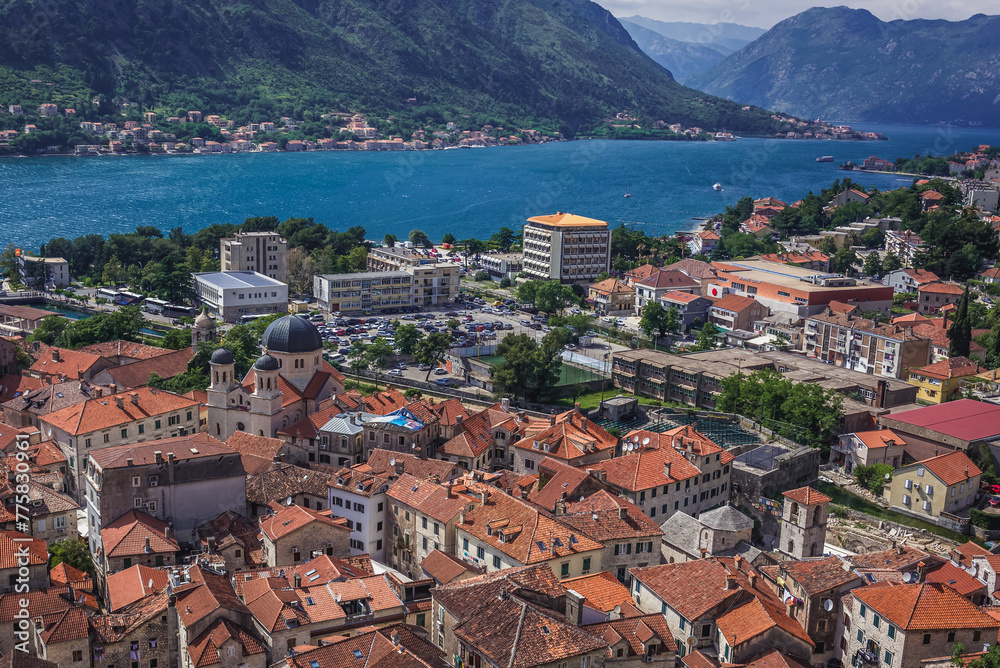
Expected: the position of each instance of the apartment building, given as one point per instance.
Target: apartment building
(932, 297)
(262, 252)
(43, 271)
(187, 480)
(797, 290)
(611, 297)
(947, 483)
(567, 248)
(363, 291)
(233, 294)
(434, 282)
(864, 345)
(904, 244)
(502, 265)
(146, 414)
(358, 494)
(734, 312)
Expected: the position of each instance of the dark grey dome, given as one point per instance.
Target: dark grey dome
(222, 356)
(291, 334)
(266, 362)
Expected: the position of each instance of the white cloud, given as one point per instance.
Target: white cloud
(765, 14)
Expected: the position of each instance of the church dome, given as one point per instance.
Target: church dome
(266, 363)
(291, 334)
(222, 356)
(204, 321)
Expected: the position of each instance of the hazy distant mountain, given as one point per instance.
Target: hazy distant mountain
(725, 37)
(847, 64)
(682, 58)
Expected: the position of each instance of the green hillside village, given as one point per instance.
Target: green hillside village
(771, 439)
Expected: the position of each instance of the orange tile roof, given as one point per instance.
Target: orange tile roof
(646, 468)
(688, 439)
(951, 468)
(444, 567)
(953, 367)
(529, 537)
(734, 302)
(611, 286)
(668, 278)
(819, 575)
(964, 553)
(73, 364)
(601, 591)
(696, 659)
(14, 385)
(62, 573)
(879, 438)
(681, 297)
(605, 517)
(895, 559)
(775, 658)
(294, 517)
(127, 535)
(758, 617)
(561, 478)
(571, 437)
(449, 411)
(639, 632)
(137, 374)
(949, 574)
(70, 625)
(643, 272)
(207, 593)
(206, 649)
(11, 541)
(375, 648)
(198, 445)
(132, 584)
(925, 607)
(430, 498)
(807, 496)
(104, 412)
(941, 289)
(561, 219)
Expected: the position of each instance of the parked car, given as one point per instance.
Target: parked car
(424, 367)
(440, 371)
(395, 372)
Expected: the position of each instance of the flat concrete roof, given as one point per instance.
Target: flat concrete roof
(366, 275)
(226, 280)
(786, 275)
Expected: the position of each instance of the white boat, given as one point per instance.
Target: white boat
(717, 187)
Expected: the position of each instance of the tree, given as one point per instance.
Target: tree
(530, 369)
(828, 246)
(8, 263)
(873, 264)
(357, 358)
(407, 337)
(873, 238)
(453, 323)
(420, 238)
(300, 270)
(505, 282)
(481, 275)
(243, 344)
(891, 263)
(49, 330)
(960, 331)
(448, 238)
(113, 271)
(653, 320)
(843, 260)
(72, 551)
(431, 349)
(390, 240)
(707, 337)
(993, 354)
(672, 322)
(873, 477)
(552, 297)
(176, 339)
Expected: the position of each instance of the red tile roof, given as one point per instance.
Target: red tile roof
(819, 575)
(611, 286)
(925, 607)
(123, 348)
(734, 302)
(445, 568)
(601, 591)
(430, 498)
(668, 278)
(64, 574)
(757, 617)
(10, 544)
(127, 535)
(571, 437)
(807, 496)
(74, 364)
(951, 468)
(294, 517)
(207, 593)
(136, 374)
(560, 478)
(896, 559)
(449, 411)
(133, 584)
(104, 413)
(941, 289)
(953, 367)
(639, 632)
(775, 658)
(198, 445)
(879, 438)
(205, 650)
(679, 297)
(949, 574)
(605, 518)
(375, 648)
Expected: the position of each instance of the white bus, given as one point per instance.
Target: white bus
(155, 306)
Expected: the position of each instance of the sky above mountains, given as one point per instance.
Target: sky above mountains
(764, 14)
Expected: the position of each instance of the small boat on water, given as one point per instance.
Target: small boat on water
(717, 187)
(825, 158)
(628, 188)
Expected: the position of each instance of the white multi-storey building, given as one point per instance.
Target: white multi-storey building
(567, 248)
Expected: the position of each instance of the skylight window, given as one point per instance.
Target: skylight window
(358, 654)
(314, 664)
(541, 545)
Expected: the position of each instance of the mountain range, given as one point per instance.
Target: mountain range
(848, 65)
(566, 63)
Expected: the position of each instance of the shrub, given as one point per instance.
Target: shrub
(481, 275)
(873, 477)
(983, 520)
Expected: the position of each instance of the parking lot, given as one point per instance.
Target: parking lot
(495, 323)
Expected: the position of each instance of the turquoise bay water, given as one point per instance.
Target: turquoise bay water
(466, 192)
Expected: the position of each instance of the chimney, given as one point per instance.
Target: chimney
(354, 418)
(297, 581)
(576, 405)
(730, 581)
(520, 416)
(135, 399)
(448, 490)
(921, 571)
(560, 507)
(574, 608)
(55, 354)
(622, 513)
(399, 468)
(170, 457)
(704, 552)
(158, 456)
(119, 401)
(486, 496)
(505, 404)
(788, 607)
(167, 531)
(147, 548)
(458, 419)
(100, 392)
(738, 561)
(552, 418)
(112, 389)
(395, 638)
(752, 577)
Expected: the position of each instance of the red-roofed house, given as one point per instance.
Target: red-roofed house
(909, 280)
(691, 307)
(569, 437)
(134, 584)
(736, 312)
(17, 548)
(940, 382)
(134, 538)
(899, 625)
(611, 296)
(864, 448)
(294, 534)
(931, 297)
(653, 287)
(947, 483)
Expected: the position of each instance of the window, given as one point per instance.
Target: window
(125, 433)
(861, 635)
(586, 564)
(496, 561)
(585, 662)
(951, 636)
(424, 542)
(888, 658)
(107, 438)
(876, 620)
(892, 631)
(156, 425)
(908, 484)
(77, 655)
(683, 621)
(136, 481)
(976, 636)
(480, 553)
(564, 569)
(465, 544)
(927, 638)
(423, 523)
(153, 481)
(706, 630)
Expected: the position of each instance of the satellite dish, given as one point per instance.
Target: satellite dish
(635, 439)
(907, 578)
(618, 609)
(692, 641)
(150, 583)
(828, 605)
(392, 462)
(645, 441)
